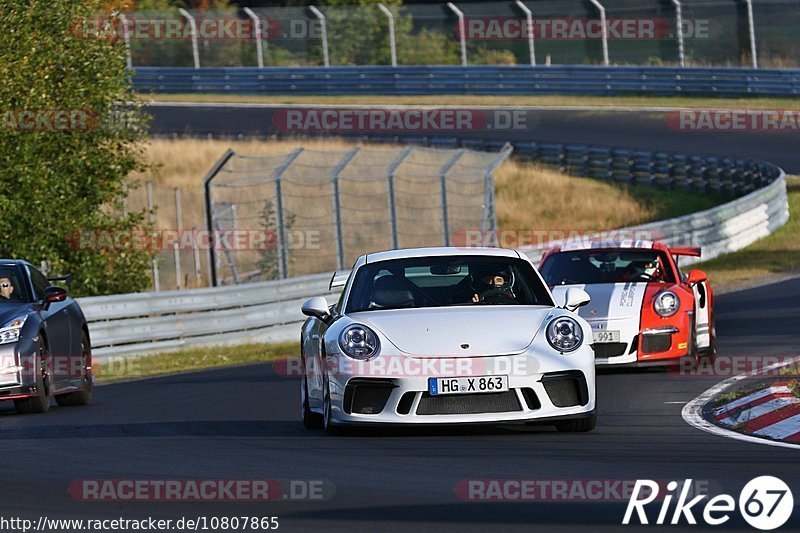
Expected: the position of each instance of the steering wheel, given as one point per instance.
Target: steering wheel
(495, 296)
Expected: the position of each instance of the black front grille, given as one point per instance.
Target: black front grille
(367, 396)
(468, 404)
(609, 349)
(656, 343)
(566, 389)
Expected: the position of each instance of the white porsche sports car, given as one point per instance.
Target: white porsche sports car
(447, 336)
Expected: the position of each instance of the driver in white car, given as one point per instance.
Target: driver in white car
(496, 289)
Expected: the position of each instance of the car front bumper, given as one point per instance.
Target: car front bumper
(549, 390)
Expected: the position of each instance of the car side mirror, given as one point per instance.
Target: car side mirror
(695, 277)
(316, 307)
(576, 298)
(54, 294)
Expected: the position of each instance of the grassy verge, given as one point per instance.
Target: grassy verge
(772, 257)
(544, 100)
(191, 359)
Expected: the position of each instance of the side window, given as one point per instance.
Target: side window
(39, 282)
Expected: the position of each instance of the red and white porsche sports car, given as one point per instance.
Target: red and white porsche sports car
(644, 310)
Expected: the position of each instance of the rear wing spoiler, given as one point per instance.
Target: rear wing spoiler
(690, 251)
(338, 280)
(66, 279)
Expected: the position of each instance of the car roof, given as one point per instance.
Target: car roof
(11, 262)
(438, 252)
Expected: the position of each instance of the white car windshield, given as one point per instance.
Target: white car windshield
(446, 281)
(594, 266)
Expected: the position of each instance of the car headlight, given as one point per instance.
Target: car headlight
(564, 334)
(358, 342)
(11, 330)
(666, 303)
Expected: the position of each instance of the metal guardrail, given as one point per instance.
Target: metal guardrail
(131, 324)
(489, 80)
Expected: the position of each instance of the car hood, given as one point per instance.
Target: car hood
(609, 300)
(9, 311)
(443, 331)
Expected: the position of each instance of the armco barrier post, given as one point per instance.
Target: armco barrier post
(679, 31)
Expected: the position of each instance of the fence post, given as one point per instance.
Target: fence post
(392, 43)
(257, 29)
(679, 22)
(443, 192)
(529, 22)
(283, 263)
(179, 228)
(198, 273)
(489, 222)
(156, 286)
(462, 31)
(752, 29)
(393, 166)
(212, 260)
(193, 28)
(337, 208)
(324, 34)
(603, 29)
(127, 37)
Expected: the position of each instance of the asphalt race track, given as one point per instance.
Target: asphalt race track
(647, 130)
(243, 423)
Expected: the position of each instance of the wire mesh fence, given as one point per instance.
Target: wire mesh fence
(564, 32)
(310, 211)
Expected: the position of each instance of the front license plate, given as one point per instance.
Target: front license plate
(470, 385)
(606, 336)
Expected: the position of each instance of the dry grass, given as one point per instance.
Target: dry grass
(534, 197)
(528, 196)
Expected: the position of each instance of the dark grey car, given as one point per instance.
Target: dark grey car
(44, 341)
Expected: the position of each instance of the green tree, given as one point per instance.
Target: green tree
(63, 181)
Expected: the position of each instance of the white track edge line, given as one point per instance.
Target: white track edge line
(692, 411)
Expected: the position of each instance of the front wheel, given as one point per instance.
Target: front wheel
(39, 403)
(311, 420)
(83, 395)
(327, 416)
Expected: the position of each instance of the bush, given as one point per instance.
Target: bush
(64, 180)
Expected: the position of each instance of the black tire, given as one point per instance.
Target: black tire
(84, 395)
(327, 417)
(41, 402)
(311, 420)
(578, 425)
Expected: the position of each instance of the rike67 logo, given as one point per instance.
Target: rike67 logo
(765, 503)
